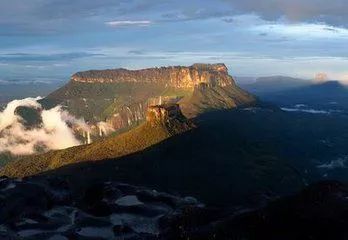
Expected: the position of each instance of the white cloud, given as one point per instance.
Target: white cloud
(303, 30)
(313, 111)
(338, 163)
(53, 132)
(286, 28)
(143, 23)
(8, 117)
(331, 12)
(4, 81)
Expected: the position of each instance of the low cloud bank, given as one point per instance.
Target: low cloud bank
(337, 163)
(53, 132)
(314, 111)
(310, 110)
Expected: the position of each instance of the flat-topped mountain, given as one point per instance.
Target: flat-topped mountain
(177, 76)
(121, 97)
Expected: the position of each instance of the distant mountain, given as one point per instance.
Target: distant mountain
(293, 93)
(241, 81)
(327, 95)
(264, 85)
(121, 97)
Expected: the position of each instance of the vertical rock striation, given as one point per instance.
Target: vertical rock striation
(177, 77)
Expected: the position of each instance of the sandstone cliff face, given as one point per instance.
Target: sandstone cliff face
(178, 76)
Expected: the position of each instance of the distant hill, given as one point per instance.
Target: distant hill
(264, 85)
(327, 95)
(293, 92)
(241, 81)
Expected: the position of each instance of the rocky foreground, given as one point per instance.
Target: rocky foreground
(45, 208)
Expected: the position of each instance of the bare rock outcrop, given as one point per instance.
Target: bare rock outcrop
(170, 116)
(163, 113)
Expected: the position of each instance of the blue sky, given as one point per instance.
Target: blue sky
(48, 40)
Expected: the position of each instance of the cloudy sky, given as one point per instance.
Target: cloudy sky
(48, 40)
